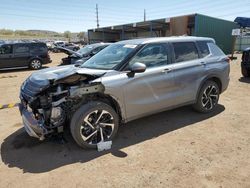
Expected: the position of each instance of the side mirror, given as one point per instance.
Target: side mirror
(136, 68)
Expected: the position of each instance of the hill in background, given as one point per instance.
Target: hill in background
(6, 34)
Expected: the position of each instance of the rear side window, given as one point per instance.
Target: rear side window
(185, 51)
(203, 48)
(38, 48)
(21, 48)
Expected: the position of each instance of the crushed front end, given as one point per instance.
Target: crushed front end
(46, 105)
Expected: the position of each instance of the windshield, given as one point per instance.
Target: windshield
(85, 50)
(109, 57)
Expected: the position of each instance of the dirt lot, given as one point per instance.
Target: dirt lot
(178, 148)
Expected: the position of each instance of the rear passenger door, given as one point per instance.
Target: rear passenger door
(188, 69)
(21, 55)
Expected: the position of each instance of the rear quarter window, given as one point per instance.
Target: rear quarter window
(215, 50)
(185, 51)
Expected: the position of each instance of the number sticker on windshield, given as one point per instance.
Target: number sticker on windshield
(129, 46)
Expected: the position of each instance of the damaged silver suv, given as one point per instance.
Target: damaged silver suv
(125, 81)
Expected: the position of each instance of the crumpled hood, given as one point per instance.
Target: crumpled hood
(57, 73)
(43, 79)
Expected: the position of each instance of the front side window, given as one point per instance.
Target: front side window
(110, 57)
(152, 55)
(6, 49)
(21, 48)
(185, 51)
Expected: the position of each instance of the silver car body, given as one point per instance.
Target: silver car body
(165, 87)
(51, 95)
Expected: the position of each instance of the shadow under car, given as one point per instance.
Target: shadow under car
(21, 151)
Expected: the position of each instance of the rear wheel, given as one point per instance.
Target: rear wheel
(208, 97)
(35, 64)
(94, 122)
(245, 72)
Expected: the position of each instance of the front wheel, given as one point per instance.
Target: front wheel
(93, 123)
(208, 97)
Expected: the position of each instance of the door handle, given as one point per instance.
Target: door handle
(203, 63)
(166, 70)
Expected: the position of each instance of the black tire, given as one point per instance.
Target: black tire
(35, 64)
(80, 129)
(245, 72)
(208, 97)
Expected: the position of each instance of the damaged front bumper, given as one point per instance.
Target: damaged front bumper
(31, 125)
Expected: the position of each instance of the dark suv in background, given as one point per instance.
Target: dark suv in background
(83, 54)
(245, 63)
(22, 55)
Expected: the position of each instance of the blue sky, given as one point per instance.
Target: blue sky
(79, 15)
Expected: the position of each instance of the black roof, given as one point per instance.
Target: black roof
(243, 21)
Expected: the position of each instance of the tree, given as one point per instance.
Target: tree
(67, 35)
(81, 35)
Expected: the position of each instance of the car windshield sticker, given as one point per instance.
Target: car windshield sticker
(129, 46)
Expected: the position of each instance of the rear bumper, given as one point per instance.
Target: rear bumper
(31, 125)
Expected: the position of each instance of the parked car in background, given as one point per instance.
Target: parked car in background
(69, 46)
(83, 54)
(125, 81)
(245, 63)
(21, 55)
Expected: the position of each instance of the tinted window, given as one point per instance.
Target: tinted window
(152, 55)
(38, 48)
(185, 51)
(21, 48)
(246, 56)
(203, 48)
(6, 49)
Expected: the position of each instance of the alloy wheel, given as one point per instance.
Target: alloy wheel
(97, 126)
(210, 97)
(36, 64)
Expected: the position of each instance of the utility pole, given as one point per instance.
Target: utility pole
(97, 18)
(144, 15)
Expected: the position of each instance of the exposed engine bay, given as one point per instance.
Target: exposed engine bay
(46, 108)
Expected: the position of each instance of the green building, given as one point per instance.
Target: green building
(193, 25)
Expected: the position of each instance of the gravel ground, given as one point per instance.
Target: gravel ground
(178, 148)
